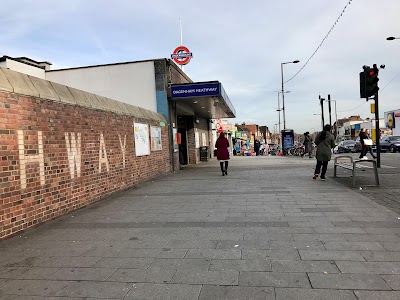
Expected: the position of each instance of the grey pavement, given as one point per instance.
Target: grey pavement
(265, 231)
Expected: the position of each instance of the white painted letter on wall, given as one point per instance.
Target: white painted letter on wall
(74, 153)
(103, 154)
(31, 158)
(123, 147)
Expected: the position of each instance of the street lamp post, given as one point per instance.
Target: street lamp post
(283, 92)
(279, 110)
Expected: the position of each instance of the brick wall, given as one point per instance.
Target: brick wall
(43, 177)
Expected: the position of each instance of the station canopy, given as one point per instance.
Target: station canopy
(205, 99)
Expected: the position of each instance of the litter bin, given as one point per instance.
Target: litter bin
(204, 153)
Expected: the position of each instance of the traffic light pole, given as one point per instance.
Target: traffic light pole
(377, 132)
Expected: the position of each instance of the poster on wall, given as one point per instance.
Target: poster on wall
(176, 146)
(203, 138)
(155, 137)
(142, 143)
(197, 139)
(390, 120)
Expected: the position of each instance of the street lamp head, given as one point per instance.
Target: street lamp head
(296, 61)
(285, 92)
(391, 38)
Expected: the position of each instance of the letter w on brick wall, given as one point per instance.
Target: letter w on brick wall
(31, 158)
(74, 153)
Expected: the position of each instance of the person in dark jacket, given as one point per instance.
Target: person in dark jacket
(307, 145)
(257, 145)
(369, 148)
(325, 142)
(222, 146)
(364, 148)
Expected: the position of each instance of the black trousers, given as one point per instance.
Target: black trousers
(221, 164)
(364, 150)
(324, 165)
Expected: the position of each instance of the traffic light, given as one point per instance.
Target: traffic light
(371, 81)
(362, 85)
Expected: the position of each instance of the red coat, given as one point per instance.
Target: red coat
(222, 145)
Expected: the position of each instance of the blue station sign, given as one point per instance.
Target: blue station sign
(195, 90)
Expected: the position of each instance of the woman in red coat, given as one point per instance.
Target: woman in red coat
(222, 146)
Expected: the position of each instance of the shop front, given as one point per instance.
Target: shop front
(196, 105)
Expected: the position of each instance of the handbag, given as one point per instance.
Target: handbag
(368, 142)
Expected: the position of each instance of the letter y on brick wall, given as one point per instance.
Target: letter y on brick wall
(123, 146)
(31, 158)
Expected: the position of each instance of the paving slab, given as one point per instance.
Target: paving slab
(240, 265)
(33, 287)
(381, 295)
(381, 256)
(393, 281)
(274, 279)
(312, 294)
(140, 275)
(316, 255)
(236, 293)
(369, 267)
(206, 277)
(95, 289)
(164, 291)
(294, 266)
(348, 281)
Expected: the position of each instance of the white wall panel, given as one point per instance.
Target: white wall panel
(132, 83)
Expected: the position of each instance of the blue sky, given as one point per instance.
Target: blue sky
(240, 44)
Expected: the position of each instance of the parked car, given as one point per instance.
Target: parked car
(358, 146)
(390, 143)
(345, 147)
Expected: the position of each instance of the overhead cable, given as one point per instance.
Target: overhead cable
(323, 40)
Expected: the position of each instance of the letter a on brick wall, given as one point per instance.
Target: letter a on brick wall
(31, 158)
(123, 147)
(103, 154)
(74, 153)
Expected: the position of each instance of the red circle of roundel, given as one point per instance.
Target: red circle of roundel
(181, 61)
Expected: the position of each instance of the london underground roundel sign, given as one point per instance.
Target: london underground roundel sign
(181, 55)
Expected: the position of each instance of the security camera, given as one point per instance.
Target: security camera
(382, 66)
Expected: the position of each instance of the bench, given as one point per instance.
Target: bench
(354, 165)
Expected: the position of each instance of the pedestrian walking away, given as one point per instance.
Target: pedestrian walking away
(257, 146)
(369, 147)
(307, 145)
(363, 136)
(325, 141)
(222, 145)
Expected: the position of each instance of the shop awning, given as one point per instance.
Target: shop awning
(206, 99)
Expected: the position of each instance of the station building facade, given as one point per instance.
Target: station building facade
(157, 85)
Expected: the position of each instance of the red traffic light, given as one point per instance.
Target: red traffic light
(371, 73)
